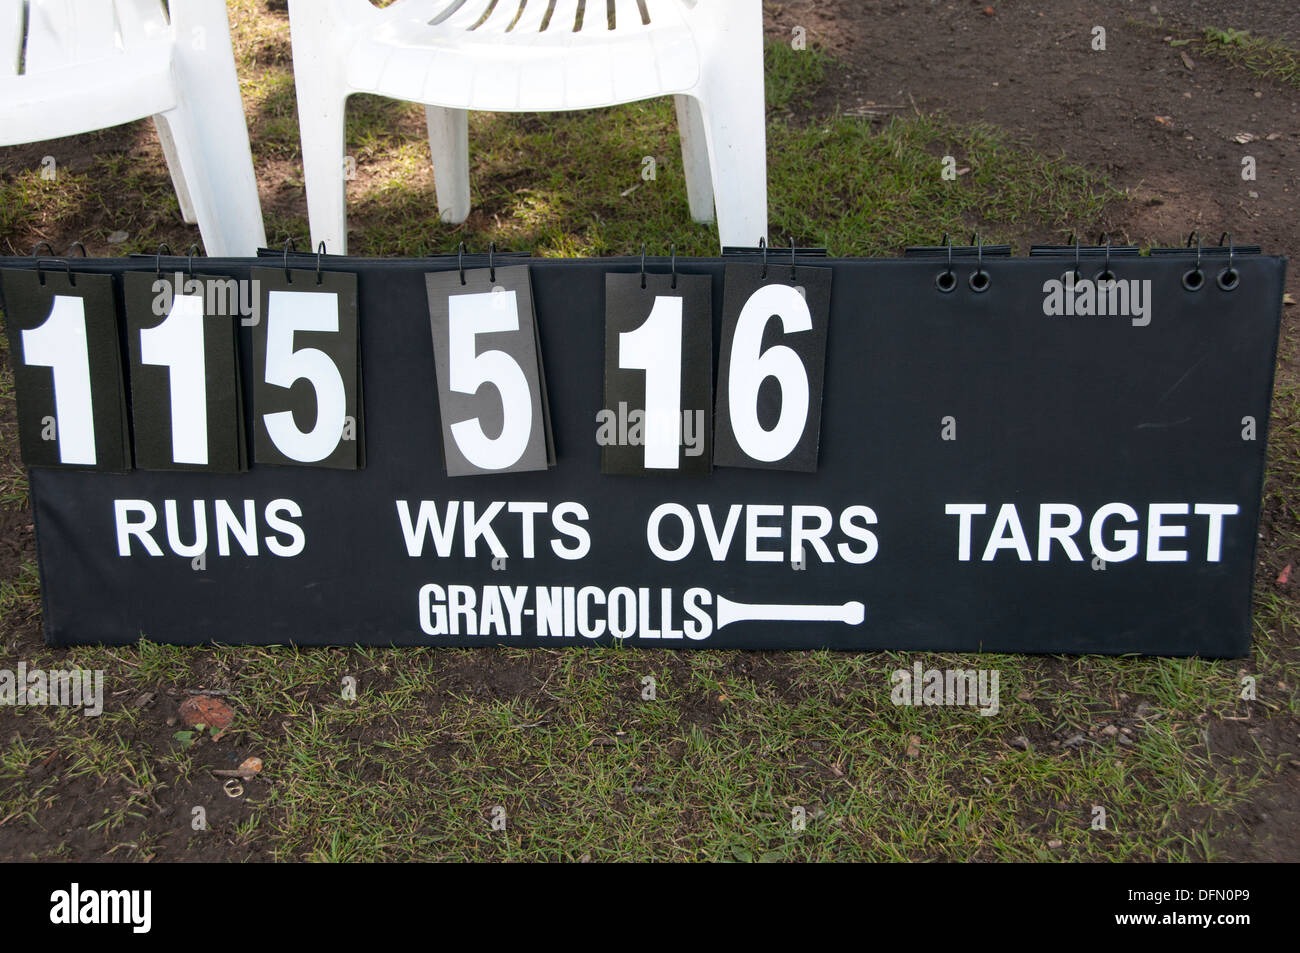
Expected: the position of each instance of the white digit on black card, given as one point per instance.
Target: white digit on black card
(177, 344)
(60, 344)
(469, 316)
(288, 313)
(750, 366)
(656, 348)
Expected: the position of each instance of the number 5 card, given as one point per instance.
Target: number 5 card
(487, 359)
(307, 395)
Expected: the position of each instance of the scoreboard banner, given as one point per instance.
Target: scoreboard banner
(956, 450)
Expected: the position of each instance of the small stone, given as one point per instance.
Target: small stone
(117, 238)
(1110, 731)
(1053, 844)
(1020, 742)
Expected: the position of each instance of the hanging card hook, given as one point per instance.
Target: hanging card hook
(492, 268)
(979, 278)
(460, 261)
(288, 244)
(643, 264)
(157, 259)
(320, 250)
(1229, 277)
(1194, 279)
(946, 281)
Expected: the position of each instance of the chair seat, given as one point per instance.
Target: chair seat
(524, 55)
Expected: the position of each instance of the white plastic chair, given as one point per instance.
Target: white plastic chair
(72, 66)
(536, 56)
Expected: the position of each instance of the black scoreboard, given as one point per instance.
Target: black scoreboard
(943, 452)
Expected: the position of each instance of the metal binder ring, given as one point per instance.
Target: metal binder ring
(673, 253)
(157, 259)
(492, 268)
(75, 246)
(190, 267)
(54, 261)
(38, 248)
(762, 244)
(979, 278)
(643, 264)
(1106, 274)
(1229, 278)
(792, 273)
(288, 244)
(460, 261)
(946, 281)
(320, 250)
(1194, 279)
(1078, 274)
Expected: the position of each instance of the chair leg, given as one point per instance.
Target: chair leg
(449, 149)
(695, 158)
(178, 175)
(214, 168)
(209, 134)
(320, 122)
(734, 120)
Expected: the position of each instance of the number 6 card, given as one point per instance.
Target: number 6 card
(772, 367)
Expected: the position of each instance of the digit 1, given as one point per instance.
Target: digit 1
(60, 344)
(177, 344)
(656, 348)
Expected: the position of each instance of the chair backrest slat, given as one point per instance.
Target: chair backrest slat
(69, 32)
(12, 20)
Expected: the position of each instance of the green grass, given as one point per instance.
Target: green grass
(1257, 54)
(1262, 56)
(562, 739)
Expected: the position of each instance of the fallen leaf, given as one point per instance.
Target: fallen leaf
(206, 710)
(1244, 137)
(1165, 120)
(989, 11)
(1187, 60)
(1288, 299)
(117, 238)
(1054, 843)
(914, 746)
(1284, 576)
(251, 765)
